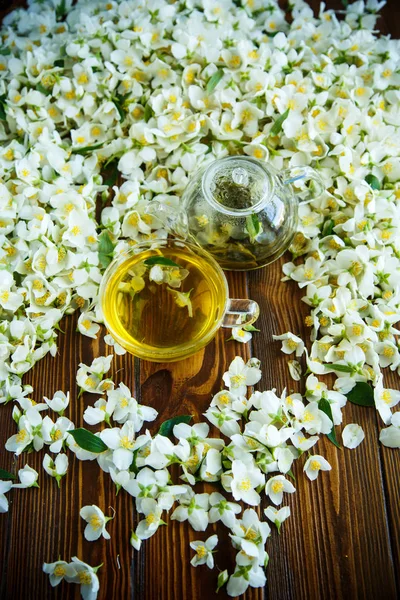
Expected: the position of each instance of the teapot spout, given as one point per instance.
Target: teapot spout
(308, 184)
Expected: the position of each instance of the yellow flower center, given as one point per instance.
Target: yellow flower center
(291, 344)
(201, 551)
(83, 78)
(386, 396)
(126, 443)
(85, 577)
(315, 465)
(245, 485)
(150, 519)
(224, 399)
(59, 571)
(21, 435)
(307, 417)
(56, 435)
(388, 351)
(90, 382)
(96, 522)
(357, 329)
(238, 380)
(277, 487)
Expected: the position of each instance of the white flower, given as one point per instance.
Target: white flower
(149, 525)
(384, 400)
(244, 576)
(54, 434)
(56, 468)
(247, 116)
(59, 570)
(315, 464)
(5, 487)
(28, 478)
(275, 487)
(204, 552)
(222, 510)
(226, 420)
(245, 479)
(249, 535)
(241, 335)
(290, 343)
(311, 418)
(241, 375)
(86, 576)
(29, 432)
(277, 516)
(126, 408)
(59, 402)
(193, 507)
(87, 326)
(352, 435)
(390, 436)
(122, 442)
(96, 523)
(118, 349)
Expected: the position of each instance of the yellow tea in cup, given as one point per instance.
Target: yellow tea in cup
(165, 300)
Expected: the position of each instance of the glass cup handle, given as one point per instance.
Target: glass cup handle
(300, 175)
(240, 312)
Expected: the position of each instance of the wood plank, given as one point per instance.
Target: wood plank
(45, 522)
(331, 547)
(186, 387)
(334, 546)
(390, 469)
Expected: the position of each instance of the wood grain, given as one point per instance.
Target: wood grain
(342, 540)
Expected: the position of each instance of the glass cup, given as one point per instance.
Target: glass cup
(164, 300)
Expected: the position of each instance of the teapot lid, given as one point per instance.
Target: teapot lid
(237, 185)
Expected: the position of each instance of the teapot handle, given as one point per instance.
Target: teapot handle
(298, 176)
(174, 219)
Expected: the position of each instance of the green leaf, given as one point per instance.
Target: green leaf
(88, 441)
(167, 427)
(252, 226)
(106, 249)
(5, 51)
(250, 328)
(214, 81)
(87, 149)
(361, 394)
(340, 368)
(160, 260)
(373, 182)
(291, 474)
(118, 101)
(42, 89)
(6, 475)
(59, 63)
(325, 406)
(61, 10)
(148, 113)
(328, 228)
(3, 105)
(110, 174)
(277, 126)
(222, 579)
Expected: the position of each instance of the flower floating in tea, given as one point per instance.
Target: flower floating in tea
(182, 299)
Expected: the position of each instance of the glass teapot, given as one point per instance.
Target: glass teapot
(242, 211)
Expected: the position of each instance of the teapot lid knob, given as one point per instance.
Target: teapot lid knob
(237, 184)
(240, 176)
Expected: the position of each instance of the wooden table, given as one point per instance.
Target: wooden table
(341, 542)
